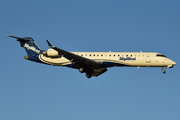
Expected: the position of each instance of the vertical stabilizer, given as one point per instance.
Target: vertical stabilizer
(30, 46)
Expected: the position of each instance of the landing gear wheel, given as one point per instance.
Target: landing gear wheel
(88, 75)
(81, 70)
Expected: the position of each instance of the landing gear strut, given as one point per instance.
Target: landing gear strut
(163, 70)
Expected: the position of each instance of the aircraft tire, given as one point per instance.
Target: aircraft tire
(81, 70)
(163, 71)
(88, 75)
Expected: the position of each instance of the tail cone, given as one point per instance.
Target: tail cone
(26, 57)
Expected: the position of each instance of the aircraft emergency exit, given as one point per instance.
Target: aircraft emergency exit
(92, 63)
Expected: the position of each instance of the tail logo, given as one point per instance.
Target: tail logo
(31, 48)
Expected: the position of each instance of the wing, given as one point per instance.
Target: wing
(89, 66)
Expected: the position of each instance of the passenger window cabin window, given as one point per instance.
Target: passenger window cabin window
(102, 55)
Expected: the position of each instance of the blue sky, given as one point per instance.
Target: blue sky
(32, 91)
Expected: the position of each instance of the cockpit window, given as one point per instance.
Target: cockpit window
(160, 55)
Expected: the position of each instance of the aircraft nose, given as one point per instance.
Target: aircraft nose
(174, 63)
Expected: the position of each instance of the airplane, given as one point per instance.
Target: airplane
(92, 63)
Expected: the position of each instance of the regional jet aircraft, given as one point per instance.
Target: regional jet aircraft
(92, 63)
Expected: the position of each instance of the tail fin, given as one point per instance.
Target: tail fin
(30, 46)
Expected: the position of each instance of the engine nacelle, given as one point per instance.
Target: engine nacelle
(51, 53)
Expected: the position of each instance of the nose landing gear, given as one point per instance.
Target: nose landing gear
(163, 70)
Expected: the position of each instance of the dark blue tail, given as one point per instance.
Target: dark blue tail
(30, 46)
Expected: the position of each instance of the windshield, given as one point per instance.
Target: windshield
(160, 55)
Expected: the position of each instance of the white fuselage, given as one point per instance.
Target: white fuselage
(132, 59)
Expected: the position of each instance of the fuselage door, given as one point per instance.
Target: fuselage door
(148, 59)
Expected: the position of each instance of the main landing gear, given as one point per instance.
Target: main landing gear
(88, 72)
(88, 75)
(81, 70)
(163, 70)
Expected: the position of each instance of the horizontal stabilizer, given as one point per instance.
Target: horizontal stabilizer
(19, 39)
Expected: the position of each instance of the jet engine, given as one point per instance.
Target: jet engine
(51, 53)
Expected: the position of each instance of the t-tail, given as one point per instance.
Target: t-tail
(30, 46)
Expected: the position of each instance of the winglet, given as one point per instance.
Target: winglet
(49, 44)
